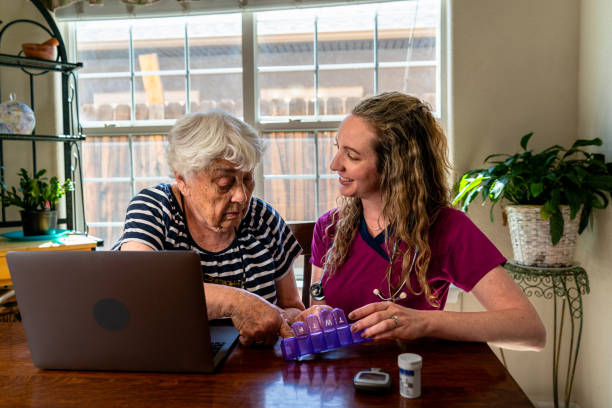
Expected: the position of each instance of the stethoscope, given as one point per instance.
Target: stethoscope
(316, 289)
(402, 295)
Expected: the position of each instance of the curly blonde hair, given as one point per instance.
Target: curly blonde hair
(412, 160)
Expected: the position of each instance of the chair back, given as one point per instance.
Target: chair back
(303, 233)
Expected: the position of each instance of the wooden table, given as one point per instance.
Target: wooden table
(67, 243)
(454, 374)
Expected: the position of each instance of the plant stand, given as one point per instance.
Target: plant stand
(565, 286)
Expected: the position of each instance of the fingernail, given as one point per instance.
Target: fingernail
(350, 316)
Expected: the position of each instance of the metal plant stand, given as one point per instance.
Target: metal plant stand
(565, 286)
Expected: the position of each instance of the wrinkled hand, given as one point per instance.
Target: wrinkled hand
(290, 314)
(258, 321)
(377, 318)
(314, 310)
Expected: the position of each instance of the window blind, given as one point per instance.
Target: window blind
(115, 9)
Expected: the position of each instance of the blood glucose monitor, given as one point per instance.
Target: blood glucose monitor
(372, 380)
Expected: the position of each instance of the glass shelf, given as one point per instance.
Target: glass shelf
(33, 63)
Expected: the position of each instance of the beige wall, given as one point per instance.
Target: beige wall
(594, 372)
(542, 66)
(514, 70)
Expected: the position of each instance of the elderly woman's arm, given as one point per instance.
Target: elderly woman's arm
(509, 321)
(288, 297)
(257, 320)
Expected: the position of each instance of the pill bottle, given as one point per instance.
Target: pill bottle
(410, 374)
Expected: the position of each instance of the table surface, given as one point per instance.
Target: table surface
(454, 374)
(72, 242)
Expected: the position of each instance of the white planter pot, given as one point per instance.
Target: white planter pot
(530, 236)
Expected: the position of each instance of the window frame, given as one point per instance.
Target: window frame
(250, 92)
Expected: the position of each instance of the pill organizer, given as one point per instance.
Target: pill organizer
(329, 331)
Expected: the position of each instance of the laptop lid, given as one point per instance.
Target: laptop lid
(116, 310)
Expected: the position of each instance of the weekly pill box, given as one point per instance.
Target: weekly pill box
(329, 331)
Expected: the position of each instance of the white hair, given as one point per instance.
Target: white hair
(197, 139)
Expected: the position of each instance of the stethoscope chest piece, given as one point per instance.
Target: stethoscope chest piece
(316, 291)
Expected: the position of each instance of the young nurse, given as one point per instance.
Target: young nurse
(388, 254)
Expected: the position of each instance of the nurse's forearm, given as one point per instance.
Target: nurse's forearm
(511, 328)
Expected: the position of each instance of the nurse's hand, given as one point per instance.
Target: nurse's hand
(387, 320)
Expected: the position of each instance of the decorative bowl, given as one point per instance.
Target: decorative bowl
(40, 51)
(16, 117)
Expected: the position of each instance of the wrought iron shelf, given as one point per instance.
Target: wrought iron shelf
(18, 224)
(40, 64)
(70, 133)
(42, 138)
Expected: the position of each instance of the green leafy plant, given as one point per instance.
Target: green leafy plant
(34, 192)
(553, 177)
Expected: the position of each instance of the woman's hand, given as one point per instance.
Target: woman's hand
(290, 314)
(258, 321)
(510, 321)
(387, 320)
(314, 310)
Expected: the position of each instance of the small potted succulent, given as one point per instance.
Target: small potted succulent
(557, 189)
(38, 199)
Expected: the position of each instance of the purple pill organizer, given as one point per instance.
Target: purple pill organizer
(327, 332)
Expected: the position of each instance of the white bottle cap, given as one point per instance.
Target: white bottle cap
(409, 361)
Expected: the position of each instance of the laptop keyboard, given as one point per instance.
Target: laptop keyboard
(216, 346)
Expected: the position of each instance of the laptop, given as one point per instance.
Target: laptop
(117, 311)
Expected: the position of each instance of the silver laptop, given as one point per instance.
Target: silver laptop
(125, 311)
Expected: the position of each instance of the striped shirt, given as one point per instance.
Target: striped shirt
(262, 252)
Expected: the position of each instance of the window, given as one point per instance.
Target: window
(294, 77)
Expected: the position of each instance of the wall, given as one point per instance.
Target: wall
(594, 371)
(514, 70)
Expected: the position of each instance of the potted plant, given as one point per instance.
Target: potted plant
(557, 189)
(38, 199)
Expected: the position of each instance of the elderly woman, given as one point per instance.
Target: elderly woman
(246, 248)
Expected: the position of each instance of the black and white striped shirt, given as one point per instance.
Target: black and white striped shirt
(262, 252)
